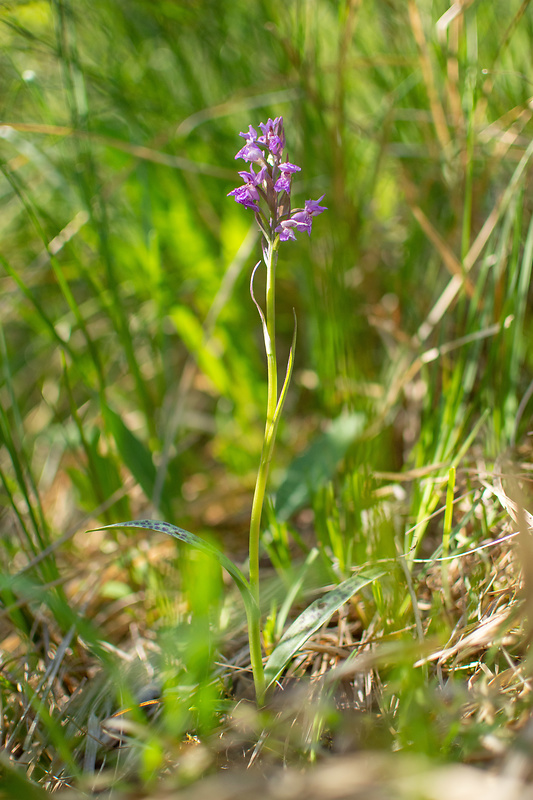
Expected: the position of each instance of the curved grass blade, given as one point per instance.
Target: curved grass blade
(312, 619)
(200, 544)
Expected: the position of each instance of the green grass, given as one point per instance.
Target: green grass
(133, 385)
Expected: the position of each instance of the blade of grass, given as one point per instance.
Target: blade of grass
(448, 519)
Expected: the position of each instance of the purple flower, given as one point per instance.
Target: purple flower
(247, 196)
(255, 179)
(285, 230)
(251, 136)
(303, 221)
(283, 183)
(300, 220)
(251, 152)
(273, 135)
(313, 208)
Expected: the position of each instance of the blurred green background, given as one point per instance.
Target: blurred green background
(129, 335)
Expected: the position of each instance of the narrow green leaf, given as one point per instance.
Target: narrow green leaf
(133, 452)
(317, 464)
(16, 784)
(200, 544)
(194, 338)
(312, 619)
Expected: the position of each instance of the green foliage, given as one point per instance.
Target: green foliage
(310, 620)
(311, 469)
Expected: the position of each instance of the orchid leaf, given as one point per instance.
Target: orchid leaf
(200, 544)
(312, 619)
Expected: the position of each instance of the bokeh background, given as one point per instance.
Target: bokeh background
(125, 262)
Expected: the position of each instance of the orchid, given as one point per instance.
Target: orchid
(268, 193)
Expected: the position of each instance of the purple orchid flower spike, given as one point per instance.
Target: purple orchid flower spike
(271, 186)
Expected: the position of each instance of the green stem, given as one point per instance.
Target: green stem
(256, 654)
(270, 337)
(269, 331)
